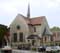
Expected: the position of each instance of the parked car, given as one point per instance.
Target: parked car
(52, 48)
(55, 48)
(48, 48)
(24, 47)
(41, 49)
(58, 47)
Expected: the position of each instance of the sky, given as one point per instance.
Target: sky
(49, 8)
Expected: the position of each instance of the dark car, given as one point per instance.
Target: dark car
(19, 47)
(41, 49)
(24, 47)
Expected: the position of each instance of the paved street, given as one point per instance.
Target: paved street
(24, 51)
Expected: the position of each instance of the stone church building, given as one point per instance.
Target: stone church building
(29, 30)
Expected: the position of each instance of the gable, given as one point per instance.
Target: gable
(19, 19)
(46, 30)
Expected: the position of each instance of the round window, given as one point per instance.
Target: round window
(18, 27)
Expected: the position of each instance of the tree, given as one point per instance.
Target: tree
(55, 28)
(3, 32)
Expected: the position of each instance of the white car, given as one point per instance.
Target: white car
(52, 48)
(58, 47)
(48, 48)
(55, 48)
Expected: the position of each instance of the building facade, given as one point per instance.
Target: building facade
(56, 37)
(29, 30)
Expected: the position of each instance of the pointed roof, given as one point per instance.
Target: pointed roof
(28, 11)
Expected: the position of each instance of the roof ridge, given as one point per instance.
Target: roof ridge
(37, 17)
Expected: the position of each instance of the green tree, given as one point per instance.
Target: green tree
(3, 32)
(55, 28)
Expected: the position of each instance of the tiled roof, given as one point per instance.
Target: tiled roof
(35, 20)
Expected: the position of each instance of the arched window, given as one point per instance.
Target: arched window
(21, 37)
(51, 38)
(34, 29)
(15, 37)
(45, 38)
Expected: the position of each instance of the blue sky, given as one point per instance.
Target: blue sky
(49, 8)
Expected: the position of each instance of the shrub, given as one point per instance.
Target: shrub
(34, 49)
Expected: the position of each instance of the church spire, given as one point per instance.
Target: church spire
(28, 12)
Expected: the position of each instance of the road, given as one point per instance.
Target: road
(24, 51)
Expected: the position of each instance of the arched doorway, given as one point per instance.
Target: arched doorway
(33, 39)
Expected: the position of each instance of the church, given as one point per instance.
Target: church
(25, 29)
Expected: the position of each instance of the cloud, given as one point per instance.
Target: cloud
(10, 8)
(50, 3)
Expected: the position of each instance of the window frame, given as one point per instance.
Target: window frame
(15, 37)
